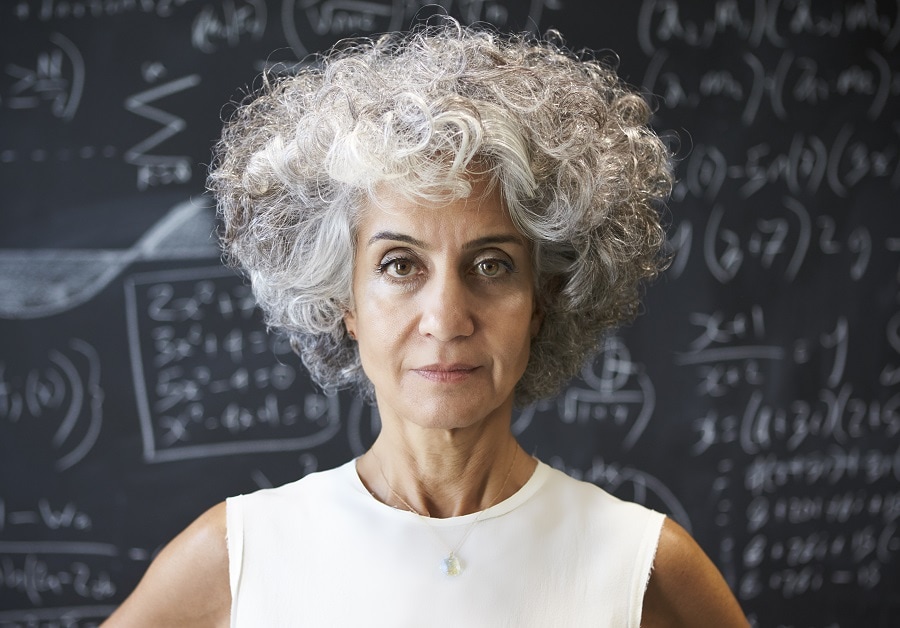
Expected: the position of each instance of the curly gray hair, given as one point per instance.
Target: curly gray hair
(580, 173)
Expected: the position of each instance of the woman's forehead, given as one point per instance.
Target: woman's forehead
(481, 211)
(461, 219)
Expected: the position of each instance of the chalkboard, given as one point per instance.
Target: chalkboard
(756, 399)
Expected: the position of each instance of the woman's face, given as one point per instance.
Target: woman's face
(444, 308)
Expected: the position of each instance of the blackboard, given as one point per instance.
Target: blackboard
(756, 399)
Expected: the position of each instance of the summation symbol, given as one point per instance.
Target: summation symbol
(159, 169)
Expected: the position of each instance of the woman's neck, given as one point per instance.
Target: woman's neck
(445, 473)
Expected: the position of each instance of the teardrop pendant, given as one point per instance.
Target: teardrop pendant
(451, 566)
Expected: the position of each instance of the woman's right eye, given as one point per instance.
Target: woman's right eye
(398, 267)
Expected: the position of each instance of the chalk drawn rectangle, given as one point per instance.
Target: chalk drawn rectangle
(187, 330)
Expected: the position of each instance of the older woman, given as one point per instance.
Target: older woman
(447, 220)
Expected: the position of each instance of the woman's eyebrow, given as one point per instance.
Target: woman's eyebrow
(397, 237)
(473, 244)
(495, 239)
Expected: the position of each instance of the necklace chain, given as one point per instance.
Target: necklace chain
(450, 565)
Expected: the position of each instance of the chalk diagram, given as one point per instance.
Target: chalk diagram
(612, 389)
(36, 283)
(60, 400)
(42, 282)
(210, 381)
(56, 77)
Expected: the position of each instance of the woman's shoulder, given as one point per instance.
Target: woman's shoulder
(187, 583)
(581, 494)
(327, 482)
(686, 588)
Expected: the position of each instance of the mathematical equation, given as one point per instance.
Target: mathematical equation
(46, 10)
(61, 583)
(227, 24)
(782, 243)
(806, 563)
(806, 166)
(43, 515)
(795, 86)
(665, 22)
(55, 582)
(731, 354)
(834, 415)
(728, 350)
(313, 25)
(801, 541)
(817, 521)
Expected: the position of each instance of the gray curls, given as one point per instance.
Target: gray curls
(580, 172)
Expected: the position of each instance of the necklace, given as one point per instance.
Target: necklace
(449, 565)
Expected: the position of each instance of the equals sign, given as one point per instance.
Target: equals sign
(842, 577)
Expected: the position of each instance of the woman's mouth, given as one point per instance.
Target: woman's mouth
(445, 373)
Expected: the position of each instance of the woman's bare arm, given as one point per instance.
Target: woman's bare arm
(686, 589)
(187, 583)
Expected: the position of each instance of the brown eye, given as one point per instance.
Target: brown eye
(489, 268)
(494, 267)
(399, 267)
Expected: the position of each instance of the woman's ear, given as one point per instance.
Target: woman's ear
(350, 323)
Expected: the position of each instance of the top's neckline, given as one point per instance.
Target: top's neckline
(500, 508)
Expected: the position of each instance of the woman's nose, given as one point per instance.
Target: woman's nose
(446, 308)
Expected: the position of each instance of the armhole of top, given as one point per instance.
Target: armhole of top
(234, 535)
(649, 543)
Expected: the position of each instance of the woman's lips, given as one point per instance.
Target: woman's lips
(445, 372)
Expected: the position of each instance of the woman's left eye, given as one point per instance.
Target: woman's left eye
(492, 267)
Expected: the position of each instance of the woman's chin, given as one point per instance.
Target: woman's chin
(448, 408)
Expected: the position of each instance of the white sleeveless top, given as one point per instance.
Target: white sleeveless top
(322, 551)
